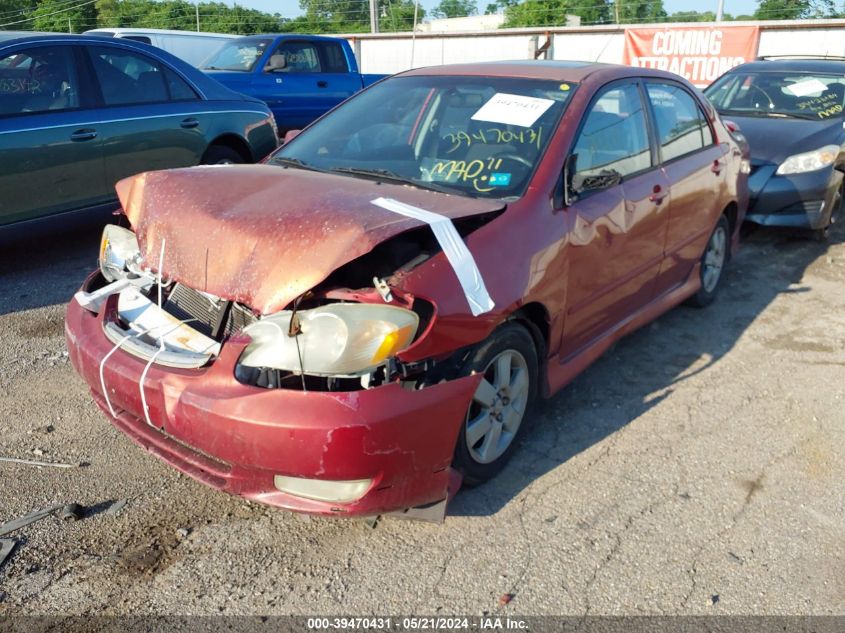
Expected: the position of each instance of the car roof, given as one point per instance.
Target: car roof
(13, 35)
(208, 87)
(793, 64)
(127, 30)
(555, 70)
(297, 36)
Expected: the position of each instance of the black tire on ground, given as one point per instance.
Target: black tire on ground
(838, 204)
(479, 461)
(717, 251)
(221, 155)
(820, 235)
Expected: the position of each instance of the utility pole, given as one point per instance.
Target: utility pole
(720, 8)
(69, 27)
(373, 16)
(197, 7)
(414, 31)
(616, 10)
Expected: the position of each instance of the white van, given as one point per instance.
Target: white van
(191, 46)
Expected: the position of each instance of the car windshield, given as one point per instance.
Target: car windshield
(478, 136)
(239, 55)
(800, 95)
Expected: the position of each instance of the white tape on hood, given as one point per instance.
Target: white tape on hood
(454, 248)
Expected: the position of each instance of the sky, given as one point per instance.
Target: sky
(290, 8)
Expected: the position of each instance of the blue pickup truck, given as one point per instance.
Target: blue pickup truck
(299, 76)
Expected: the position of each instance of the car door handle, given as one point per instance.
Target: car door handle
(717, 167)
(189, 123)
(83, 135)
(322, 84)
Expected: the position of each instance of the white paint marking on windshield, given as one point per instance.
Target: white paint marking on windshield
(512, 109)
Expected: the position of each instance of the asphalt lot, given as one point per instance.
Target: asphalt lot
(696, 468)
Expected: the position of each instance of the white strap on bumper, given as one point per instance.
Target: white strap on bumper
(455, 249)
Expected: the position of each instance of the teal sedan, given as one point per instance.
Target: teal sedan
(77, 114)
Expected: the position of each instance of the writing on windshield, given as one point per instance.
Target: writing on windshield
(480, 136)
(800, 95)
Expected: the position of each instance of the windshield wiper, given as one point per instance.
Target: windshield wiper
(805, 117)
(386, 174)
(767, 114)
(294, 162)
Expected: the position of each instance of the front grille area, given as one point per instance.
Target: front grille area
(213, 317)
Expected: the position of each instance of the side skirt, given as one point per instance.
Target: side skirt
(561, 373)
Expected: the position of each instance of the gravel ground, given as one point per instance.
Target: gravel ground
(696, 468)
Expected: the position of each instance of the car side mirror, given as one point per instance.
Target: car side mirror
(290, 135)
(605, 179)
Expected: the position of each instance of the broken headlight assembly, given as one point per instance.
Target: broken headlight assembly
(339, 339)
(119, 252)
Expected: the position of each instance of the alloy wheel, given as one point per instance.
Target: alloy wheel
(498, 407)
(714, 259)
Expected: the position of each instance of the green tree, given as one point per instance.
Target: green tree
(691, 16)
(499, 5)
(454, 9)
(398, 15)
(220, 18)
(180, 14)
(781, 9)
(554, 12)
(14, 14)
(795, 9)
(352, 16)
(57, 15)
(638, 11)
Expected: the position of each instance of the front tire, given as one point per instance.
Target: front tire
(713, 263)
(823, 234)
(220, 155)
(496, 416)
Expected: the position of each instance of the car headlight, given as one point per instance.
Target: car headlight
(340, 339)
(809, 161)
(118, 249)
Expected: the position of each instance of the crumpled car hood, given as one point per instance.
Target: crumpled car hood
(262, 235)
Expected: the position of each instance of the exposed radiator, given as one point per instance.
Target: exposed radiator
(203, 313)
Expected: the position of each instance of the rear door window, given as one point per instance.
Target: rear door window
(40, 79)
(178, 87)
(294, 57)
(334, 61)
(681, 125)
(614, 135)
(127, 77)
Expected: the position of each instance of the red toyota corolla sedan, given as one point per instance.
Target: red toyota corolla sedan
(361, 322)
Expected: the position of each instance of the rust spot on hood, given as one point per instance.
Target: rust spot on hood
(262, 235)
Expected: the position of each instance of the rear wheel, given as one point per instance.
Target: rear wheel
(713, 263)
(496, 415)
(221, 155)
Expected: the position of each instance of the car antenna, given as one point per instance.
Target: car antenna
(603, 48)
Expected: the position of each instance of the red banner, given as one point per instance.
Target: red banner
(697, 53)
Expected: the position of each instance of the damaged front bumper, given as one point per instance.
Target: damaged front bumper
(390, 447)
